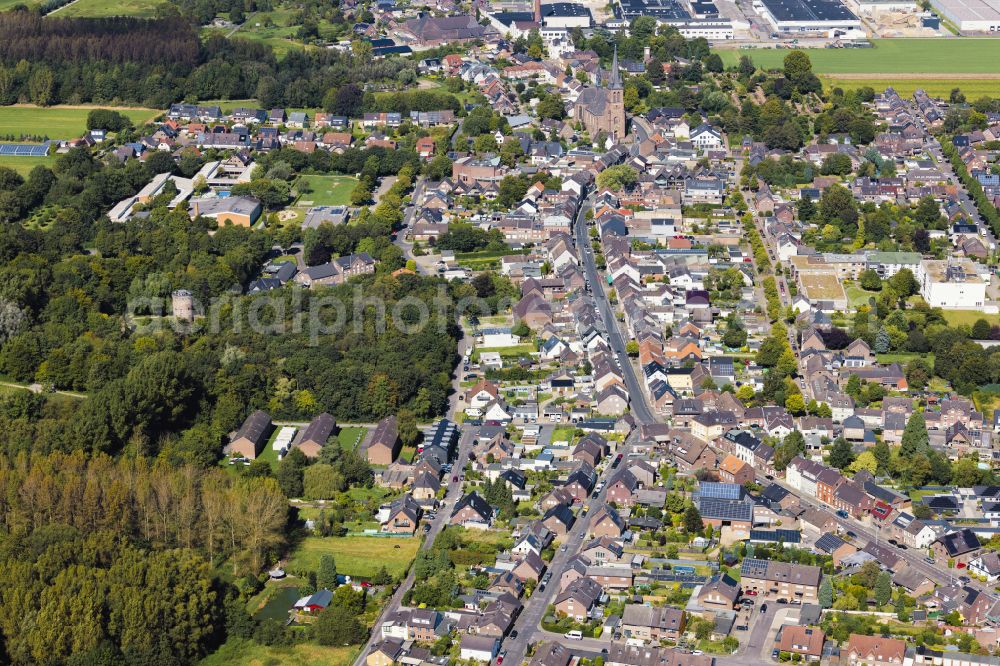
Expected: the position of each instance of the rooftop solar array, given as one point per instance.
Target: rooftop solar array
(725, 509)
(666, 10)
(753, 568)
(797, 11)
(24, 149)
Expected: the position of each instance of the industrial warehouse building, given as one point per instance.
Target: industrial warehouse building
(971, 15)
(807, 15)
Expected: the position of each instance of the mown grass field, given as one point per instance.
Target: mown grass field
(326, 190)
(968, 317)
(24, 165)
(939, 86)
(101, 8)
(357, 555)
(248, 653)
(57, 122)
(891, 56)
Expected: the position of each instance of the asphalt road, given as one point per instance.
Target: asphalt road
(638, 404)
(938, 573)
(454, 492)
(527, 624)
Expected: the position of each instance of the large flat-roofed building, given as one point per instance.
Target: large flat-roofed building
(951, 283)
(664, 10)
(971, 15)
(807, 15)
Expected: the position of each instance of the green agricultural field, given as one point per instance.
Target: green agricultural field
(9, 4)
(56, 122)
(23, 165)
(360, 556)
(102, 8)
(911, 57)
(325, 190)
(939, 86)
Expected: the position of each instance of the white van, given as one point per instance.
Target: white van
(576, 634)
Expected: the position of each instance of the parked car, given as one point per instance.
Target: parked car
(841, 513)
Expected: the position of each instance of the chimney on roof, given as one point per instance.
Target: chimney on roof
(538, 12)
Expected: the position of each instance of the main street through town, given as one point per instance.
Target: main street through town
(638, 403)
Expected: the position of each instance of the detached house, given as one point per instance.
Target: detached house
(473, 511)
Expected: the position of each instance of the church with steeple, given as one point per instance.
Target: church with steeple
(601, 108)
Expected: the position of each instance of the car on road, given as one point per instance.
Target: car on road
(454, 479)
(851, 534)
(841, 513)
(427, 527)
(774, 653)
(782, 601)
(748, 602)
(893, 542)
(763, 608)
(575, 635)
(742, 627)
(562, 548)
(964, 579)
(513, 634)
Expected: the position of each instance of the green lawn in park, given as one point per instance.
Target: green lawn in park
(890, 56)
(326, 190)
(56, 122)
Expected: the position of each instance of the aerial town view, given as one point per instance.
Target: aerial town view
(499, 332)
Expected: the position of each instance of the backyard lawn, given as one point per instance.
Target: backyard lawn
(56, 122)
(246, 652)
(358, 556)
(325, 190)
(350, 438)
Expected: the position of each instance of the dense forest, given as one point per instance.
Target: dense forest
(115, 558)
(154, 62)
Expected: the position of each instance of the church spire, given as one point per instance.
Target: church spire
(615, 80)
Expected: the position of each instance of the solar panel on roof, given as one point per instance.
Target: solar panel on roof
(24, 150)
(725, 509)
(720, 490)
(753, 568)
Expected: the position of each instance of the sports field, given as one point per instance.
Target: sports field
(101, 8)
(56, 122)
(325, 190)
(891, 56)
